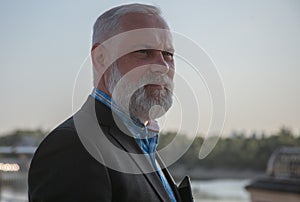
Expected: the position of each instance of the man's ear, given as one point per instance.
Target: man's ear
(100, 62)
(99, 59)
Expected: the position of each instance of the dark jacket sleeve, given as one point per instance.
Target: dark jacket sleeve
(62, 170)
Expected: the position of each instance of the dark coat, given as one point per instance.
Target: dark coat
(75, 163)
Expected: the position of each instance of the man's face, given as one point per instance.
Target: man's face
(147, 67)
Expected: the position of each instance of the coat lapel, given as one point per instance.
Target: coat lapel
(146, 169)
(169, 177)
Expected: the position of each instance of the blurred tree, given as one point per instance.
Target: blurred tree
(238, 152)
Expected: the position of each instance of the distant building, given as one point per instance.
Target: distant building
(282, 182)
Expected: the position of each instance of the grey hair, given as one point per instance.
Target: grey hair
(107, 24)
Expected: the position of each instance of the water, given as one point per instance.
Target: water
(220, 190)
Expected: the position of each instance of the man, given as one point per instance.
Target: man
(107, 150)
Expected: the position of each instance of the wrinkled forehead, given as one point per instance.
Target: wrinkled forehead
(133, 40)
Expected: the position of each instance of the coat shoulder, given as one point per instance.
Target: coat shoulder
(62, 169)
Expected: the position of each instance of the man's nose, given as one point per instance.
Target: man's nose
(160, 65)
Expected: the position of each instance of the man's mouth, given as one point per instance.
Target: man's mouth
(155, 86)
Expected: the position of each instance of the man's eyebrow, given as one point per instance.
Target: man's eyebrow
(147, 46)
(170, 50)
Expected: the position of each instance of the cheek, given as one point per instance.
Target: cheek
(123, 66)
(126, 65)
(132, 73)
(171, 74)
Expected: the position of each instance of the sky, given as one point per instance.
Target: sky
(253, 44)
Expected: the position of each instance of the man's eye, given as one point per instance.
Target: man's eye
(168, 54)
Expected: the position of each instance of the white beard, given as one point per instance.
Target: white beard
(133, 99)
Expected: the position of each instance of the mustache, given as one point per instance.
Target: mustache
(146, 79)
(162, 80)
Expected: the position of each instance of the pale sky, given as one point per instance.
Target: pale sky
(254, 44)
